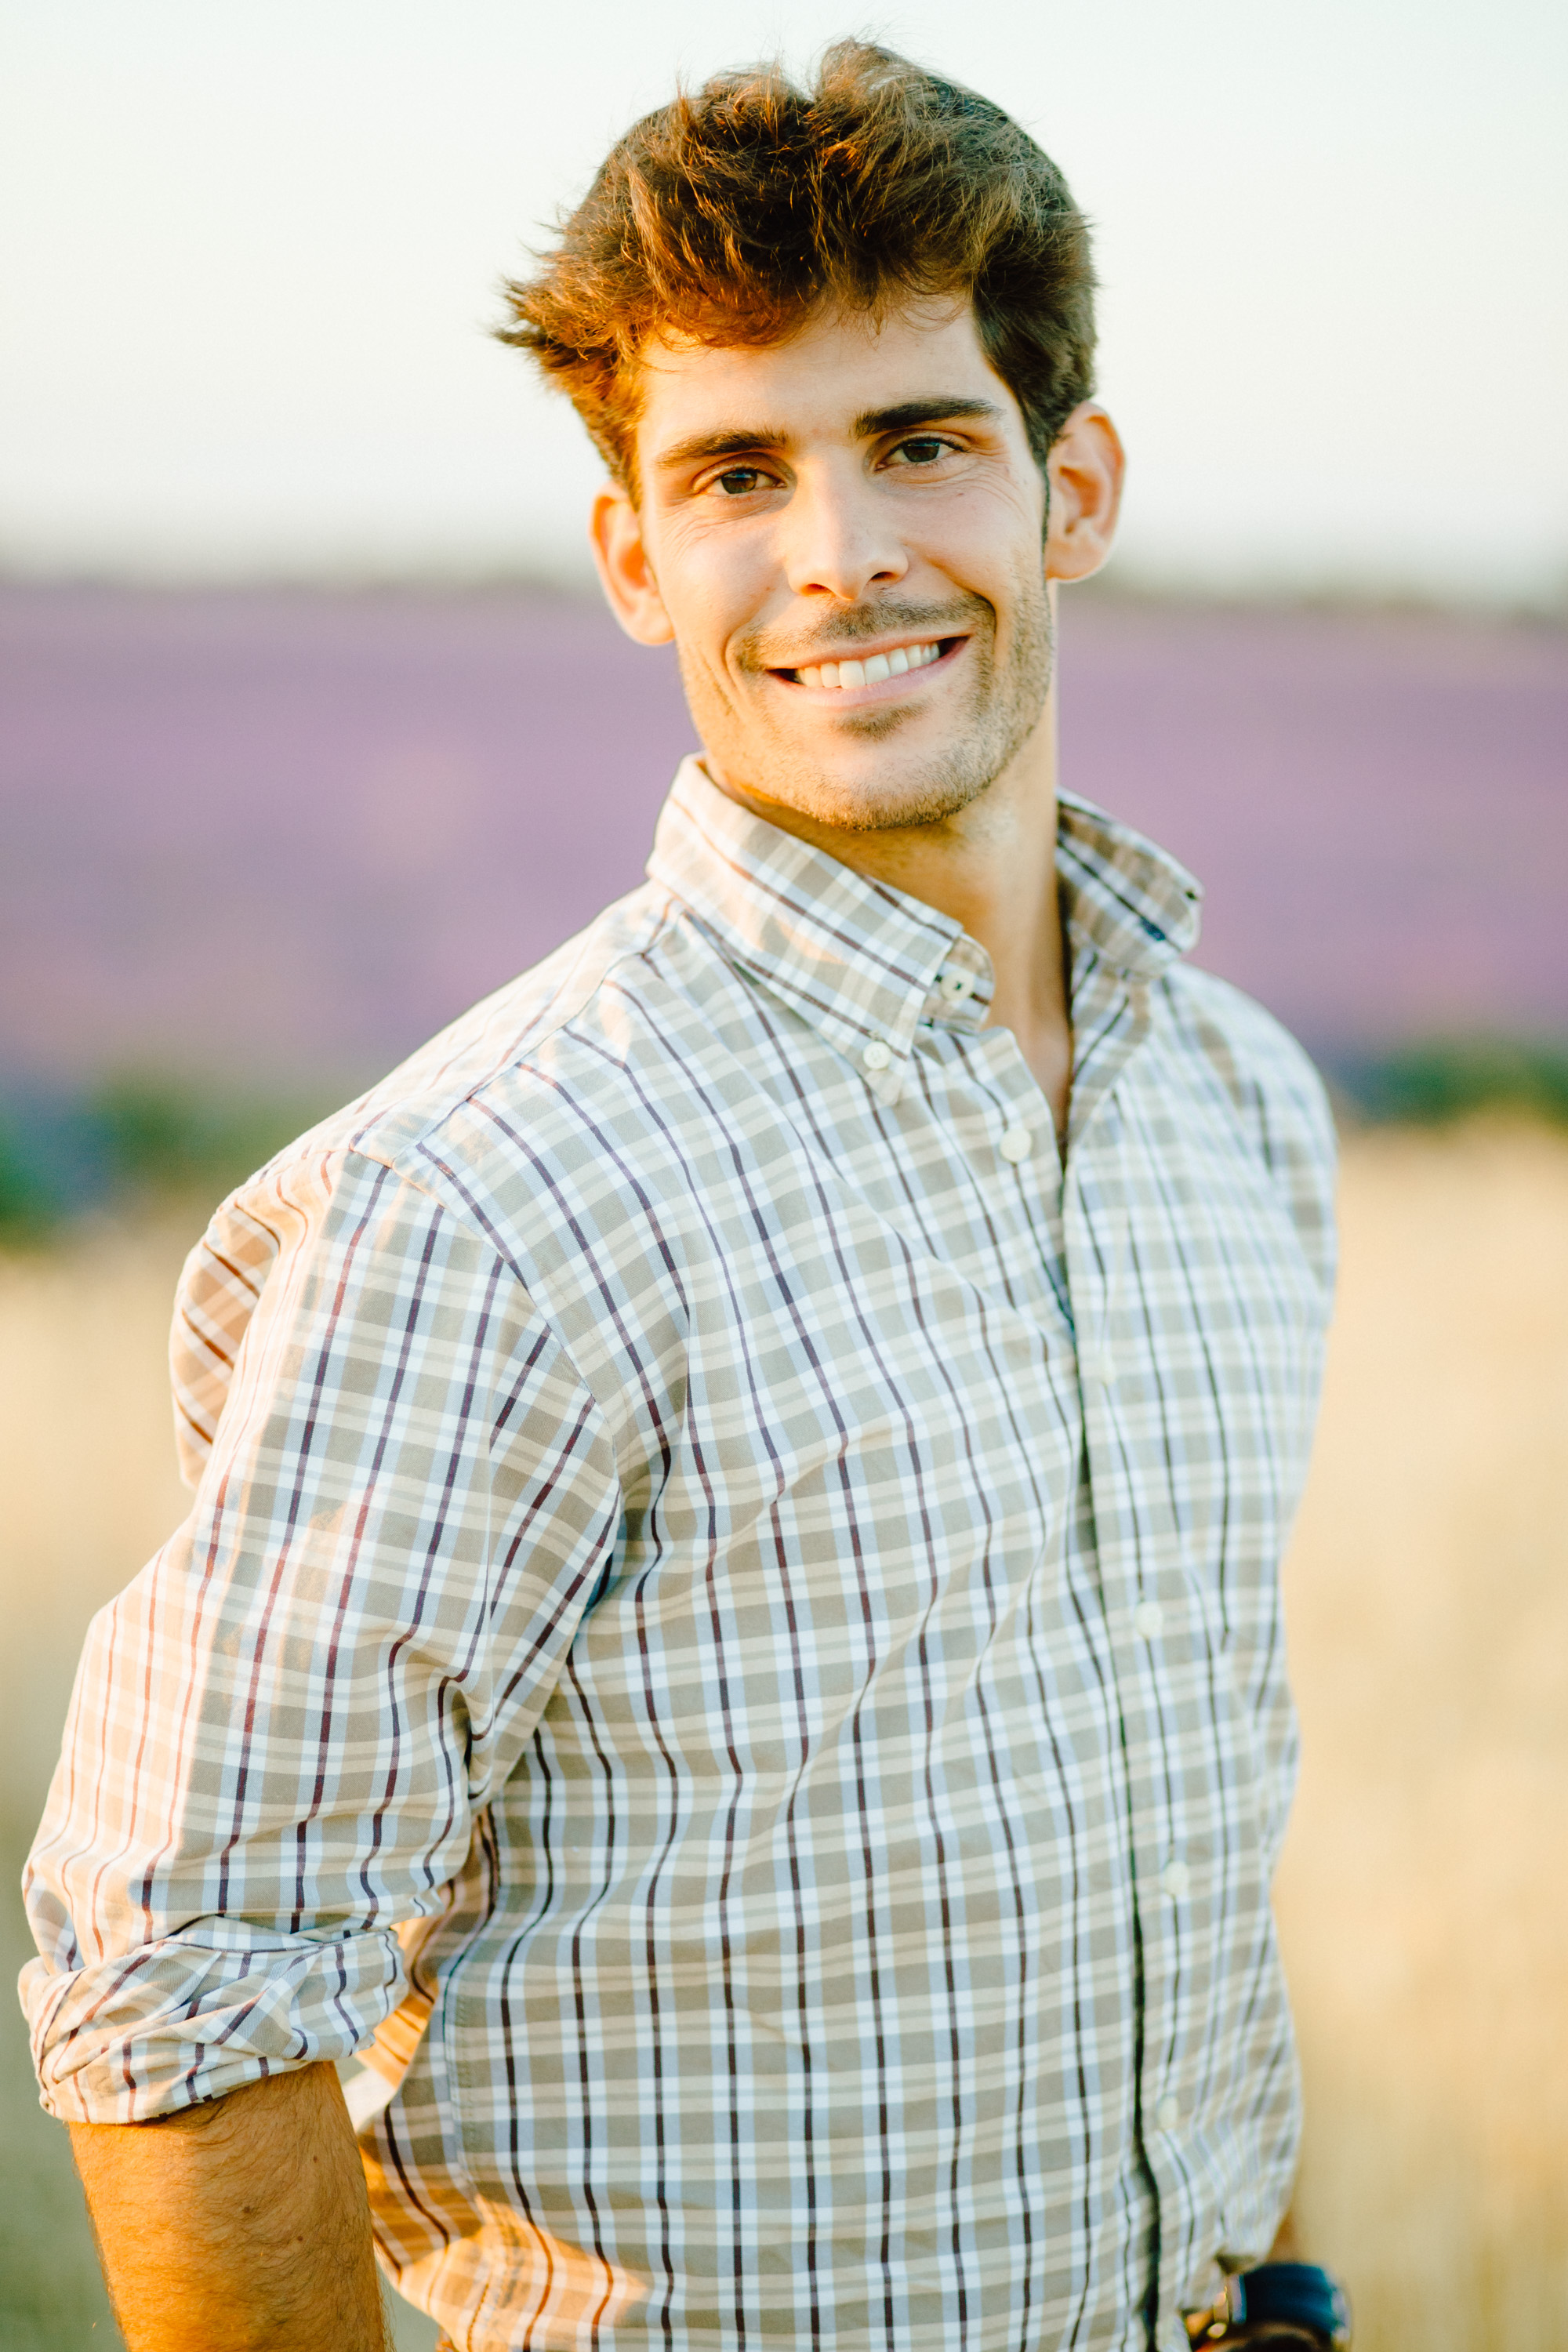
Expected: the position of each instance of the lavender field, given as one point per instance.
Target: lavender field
(286, 832)
(277, 838)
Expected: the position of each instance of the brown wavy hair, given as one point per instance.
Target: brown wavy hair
(737, 210)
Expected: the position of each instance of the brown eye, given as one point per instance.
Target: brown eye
(925, 450)
(739, 482)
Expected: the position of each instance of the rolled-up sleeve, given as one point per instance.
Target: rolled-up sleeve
(282, 1730)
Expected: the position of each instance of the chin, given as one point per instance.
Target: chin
(853, 801)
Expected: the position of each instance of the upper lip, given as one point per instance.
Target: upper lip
(862, 648)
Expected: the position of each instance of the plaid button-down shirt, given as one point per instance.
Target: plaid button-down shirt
(730, 1621)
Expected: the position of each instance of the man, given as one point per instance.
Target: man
(728, 1639)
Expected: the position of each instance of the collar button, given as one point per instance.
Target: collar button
(877, 1056)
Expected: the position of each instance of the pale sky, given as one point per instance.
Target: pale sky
(247, 255)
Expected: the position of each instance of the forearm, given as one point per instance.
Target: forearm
(237, 2225)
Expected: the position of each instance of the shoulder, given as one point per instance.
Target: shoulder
(1252, 1055)
(1267, 1085)
(417, 1164)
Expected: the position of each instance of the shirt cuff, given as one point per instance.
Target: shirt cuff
(176, 2022)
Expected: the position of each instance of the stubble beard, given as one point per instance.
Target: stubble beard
(1003, 708)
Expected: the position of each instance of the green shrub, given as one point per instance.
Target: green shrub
(137, 1138)
(28, 1206)
(172, 1137)
(1436, 1080)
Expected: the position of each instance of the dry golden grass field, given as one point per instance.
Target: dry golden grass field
(1423, 1900)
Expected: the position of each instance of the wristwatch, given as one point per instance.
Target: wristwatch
(1306, 2304)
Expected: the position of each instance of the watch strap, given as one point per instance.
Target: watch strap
(1295, 2295)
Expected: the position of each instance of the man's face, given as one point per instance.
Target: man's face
(844, 533)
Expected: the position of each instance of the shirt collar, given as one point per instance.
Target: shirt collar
(866, 964)
(1127, 900)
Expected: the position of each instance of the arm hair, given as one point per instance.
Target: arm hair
(237, 2225)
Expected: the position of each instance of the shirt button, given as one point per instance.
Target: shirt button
(1175, 1878)
(876, 1056)
(956, 987)
(1016, 1144)
(1168, 2114)
(1149, 1619)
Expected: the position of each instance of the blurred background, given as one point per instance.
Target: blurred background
(311, 731)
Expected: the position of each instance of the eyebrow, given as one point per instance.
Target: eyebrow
(910, 412)
(868, 426)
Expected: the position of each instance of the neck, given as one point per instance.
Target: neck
(993, 869)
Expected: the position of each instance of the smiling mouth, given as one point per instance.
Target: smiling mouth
(872, 670)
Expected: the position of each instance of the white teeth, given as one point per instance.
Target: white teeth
(872, 670)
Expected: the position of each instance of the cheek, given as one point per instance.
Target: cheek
(990, 538)
(717, 589)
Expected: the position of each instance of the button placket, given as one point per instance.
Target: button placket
(1097, 1363)
(1100, 1244)
(885, 1072)
(1026, 1132)
(1001, 1125)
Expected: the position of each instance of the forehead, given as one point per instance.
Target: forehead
(837, 368)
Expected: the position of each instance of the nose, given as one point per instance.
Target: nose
(839, 538)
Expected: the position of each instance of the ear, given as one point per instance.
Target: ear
(1085, 469)
(619, 551)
